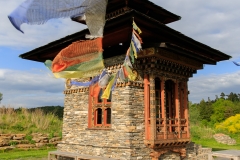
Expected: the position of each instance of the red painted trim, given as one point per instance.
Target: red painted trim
(163, 107)
(90, 108)
(186, 108)
(177, 114)
(146, 107)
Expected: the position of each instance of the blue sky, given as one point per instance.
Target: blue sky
(29, 84)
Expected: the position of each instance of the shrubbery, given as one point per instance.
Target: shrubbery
(232, 124)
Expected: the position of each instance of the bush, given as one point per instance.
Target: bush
(232, 124)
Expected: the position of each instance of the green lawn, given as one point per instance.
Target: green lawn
(211, 143)
(25, 155)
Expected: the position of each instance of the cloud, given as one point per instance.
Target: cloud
(30, 88)
(34, 89)
(215, 23)
(202, 87)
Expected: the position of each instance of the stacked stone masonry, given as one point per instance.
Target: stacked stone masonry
(20, 141)
(125, 138)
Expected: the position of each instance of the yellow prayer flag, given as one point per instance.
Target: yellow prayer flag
(132, 75)
(107, 91)
(134, 49)
(136, 28)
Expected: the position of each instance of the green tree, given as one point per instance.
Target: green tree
(222, 109)
(205, 110)
(1, 97)
(222, 95)
(194, 113)
(232, 97)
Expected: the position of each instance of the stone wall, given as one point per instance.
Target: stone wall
(23, 141)
(124, 140)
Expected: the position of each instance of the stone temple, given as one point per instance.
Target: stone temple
(144, 119)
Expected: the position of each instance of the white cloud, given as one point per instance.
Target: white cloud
(215, 23)
(211, 85)
(30, 88)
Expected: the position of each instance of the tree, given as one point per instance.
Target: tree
(205, 110)
(233, 97)
(194, 113)
(238, 96)
(1, 97)
(209, 100)
(222, 109)
(222, 95)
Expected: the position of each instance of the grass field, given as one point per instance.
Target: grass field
(25, 154)
(204, 136)
(211, 143)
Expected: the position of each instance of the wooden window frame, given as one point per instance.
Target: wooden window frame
(94, 105)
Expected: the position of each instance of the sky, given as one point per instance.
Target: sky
(28, 84)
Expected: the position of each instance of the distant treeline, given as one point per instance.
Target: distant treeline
(56, 110)
(212, 112)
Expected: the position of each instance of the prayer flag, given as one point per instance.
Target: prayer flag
(137, 42)
(136, 28)
(95, 90)
(131, 75)
(131, 53)
(40, 11)
(114, 84)
(75, 74)
(134, 49)
(107, 91)
(78, 53)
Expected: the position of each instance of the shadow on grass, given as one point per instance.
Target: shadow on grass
(217, 149)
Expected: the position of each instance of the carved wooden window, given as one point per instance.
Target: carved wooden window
(99, 111)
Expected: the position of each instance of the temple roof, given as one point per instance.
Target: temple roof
(144, 6)
(117, 36)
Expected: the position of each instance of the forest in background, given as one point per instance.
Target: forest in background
(209, 117)
(213, 112)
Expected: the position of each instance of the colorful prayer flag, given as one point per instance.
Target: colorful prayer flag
(136, 28)
(107, 91)
(40, 11)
